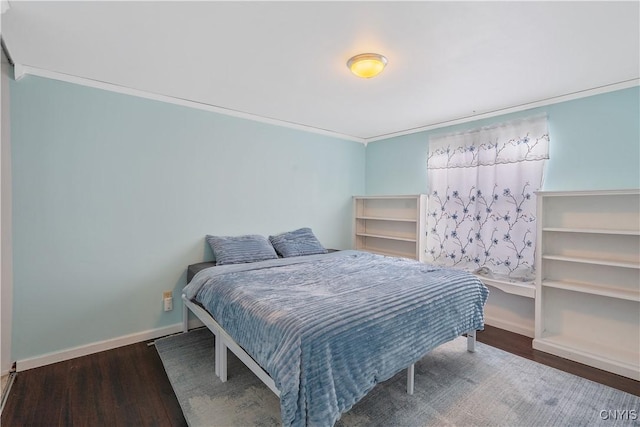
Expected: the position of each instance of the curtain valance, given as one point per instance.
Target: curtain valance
(510, 142)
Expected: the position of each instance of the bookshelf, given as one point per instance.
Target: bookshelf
(587, 305)
(390, 225)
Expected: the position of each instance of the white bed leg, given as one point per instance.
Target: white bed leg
(185, 318)
(216, 360)
(471, 341)
(411, 370)
(221, 358)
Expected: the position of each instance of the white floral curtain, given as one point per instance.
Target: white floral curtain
(481, 210)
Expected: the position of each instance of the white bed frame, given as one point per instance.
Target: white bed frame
(223, 341)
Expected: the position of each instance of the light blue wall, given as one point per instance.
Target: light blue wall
(595, 144)
(113, 195)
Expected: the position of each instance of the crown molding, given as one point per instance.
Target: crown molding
(522, 107)
(20, 70)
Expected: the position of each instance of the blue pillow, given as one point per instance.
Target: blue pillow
(241, 249)
(296, 243)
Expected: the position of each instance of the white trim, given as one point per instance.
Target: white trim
(6, 254)
(616, 192)
(20, 70)
(518, 328)
(84, 350)
(527, 106)
(524, 289)
(549, 345)
(194, 324)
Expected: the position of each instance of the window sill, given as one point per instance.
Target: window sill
(523, 289)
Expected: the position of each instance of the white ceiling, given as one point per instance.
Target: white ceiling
(286, 60)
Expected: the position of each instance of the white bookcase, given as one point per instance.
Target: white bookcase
(587, 304)
(390, 225)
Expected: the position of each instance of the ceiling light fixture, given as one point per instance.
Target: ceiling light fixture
(367, 65)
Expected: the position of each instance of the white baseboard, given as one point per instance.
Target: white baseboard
(195, 323)
(518, 328)
(84, 350)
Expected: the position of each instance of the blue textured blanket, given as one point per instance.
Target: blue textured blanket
(328, 328)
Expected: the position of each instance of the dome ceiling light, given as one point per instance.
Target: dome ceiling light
(367, 65)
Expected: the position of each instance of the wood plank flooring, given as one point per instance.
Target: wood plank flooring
(128, 386)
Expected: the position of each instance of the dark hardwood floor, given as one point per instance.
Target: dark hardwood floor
(522, 346)
(128, 386)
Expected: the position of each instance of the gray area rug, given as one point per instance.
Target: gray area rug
(452, 387)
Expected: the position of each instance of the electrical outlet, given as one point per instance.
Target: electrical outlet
(167, 298)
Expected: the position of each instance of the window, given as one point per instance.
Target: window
(481, 210)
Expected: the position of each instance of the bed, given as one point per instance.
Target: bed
(322, 330)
